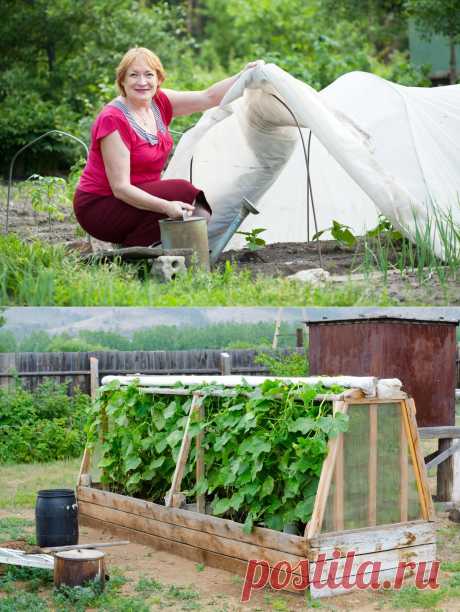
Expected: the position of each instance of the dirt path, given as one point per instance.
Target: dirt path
(220, 590)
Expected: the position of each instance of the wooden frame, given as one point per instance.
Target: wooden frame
(223, 543)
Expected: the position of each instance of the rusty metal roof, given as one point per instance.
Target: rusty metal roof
(322, 316)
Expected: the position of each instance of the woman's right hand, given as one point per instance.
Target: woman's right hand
(175, 209)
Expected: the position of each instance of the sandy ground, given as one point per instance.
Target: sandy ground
(221, 590)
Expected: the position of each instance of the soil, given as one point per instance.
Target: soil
(221, 590)
(281, 259)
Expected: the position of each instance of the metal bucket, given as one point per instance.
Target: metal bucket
(190, 233)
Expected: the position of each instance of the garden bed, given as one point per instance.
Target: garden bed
(396, 524)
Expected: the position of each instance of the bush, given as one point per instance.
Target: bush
(46, 425)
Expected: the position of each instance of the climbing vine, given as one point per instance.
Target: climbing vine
(263, 447)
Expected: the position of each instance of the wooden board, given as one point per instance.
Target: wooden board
(388, 560)
(185, 535)
(373, 539)
(213, 525)
(193, 553)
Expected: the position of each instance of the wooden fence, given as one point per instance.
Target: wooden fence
(33, 368)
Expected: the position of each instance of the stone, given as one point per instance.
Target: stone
(315, 276)
(454, 515)
(166, 267)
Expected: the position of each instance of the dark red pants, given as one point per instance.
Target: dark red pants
(112, 220)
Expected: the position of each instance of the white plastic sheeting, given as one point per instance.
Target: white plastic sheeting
(376, 147)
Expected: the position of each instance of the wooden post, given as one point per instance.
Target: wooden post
(445, 473)
(314, 526)
(404, 469)
(172, 498)
(372, 468)
(277, 329)
(299, 337)
(456, 476)
(200, 499)
(418, 462)
(339, 487)
(84, 477)
(225, 364)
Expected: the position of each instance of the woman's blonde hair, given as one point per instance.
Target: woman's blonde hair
(128, 58)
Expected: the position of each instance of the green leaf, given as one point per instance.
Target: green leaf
(267, 486)
(220, 506)
(170, 410)
(302, 424)
(131, 463)
(248, 523)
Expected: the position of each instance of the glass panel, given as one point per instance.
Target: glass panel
(374, 481)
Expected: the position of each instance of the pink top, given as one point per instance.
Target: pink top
(148, 152)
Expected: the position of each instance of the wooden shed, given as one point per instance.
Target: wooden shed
(420, 351)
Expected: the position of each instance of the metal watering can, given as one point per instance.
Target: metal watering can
(192, 233)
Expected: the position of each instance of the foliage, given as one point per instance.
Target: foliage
(57, 70)
(160, 337)
(33, 273)
(438, 17)
(340, 232)
(264, 448)
(253, 242)
(42, 426)
(294, 364)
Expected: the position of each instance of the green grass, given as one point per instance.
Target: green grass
(15, 528)
(38, 274)
(20, 483)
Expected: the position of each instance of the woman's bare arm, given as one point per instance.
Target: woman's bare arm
(116, 158)
(188, 102)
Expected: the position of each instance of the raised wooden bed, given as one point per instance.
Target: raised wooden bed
(372, 498)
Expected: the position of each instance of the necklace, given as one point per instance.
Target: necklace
(148, 122)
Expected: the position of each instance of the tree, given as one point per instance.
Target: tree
(438, 17)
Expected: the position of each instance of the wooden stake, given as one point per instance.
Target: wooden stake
(277, 329)
(316, 522)
(404, 470)
(200, 499)
(372, 469)
(183, 455)
(94, 384)
(339, 487)
(418, 462)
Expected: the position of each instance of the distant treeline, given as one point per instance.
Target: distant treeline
(161, 337)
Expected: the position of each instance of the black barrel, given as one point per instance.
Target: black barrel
(56, 518)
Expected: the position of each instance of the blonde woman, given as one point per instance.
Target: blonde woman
(121, 197)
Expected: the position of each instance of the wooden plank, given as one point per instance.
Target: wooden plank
(199, 555)
(404, 472)
(389, 562)
(339, 487)
(456, 477)
(421, 476)
(442, 455)
(314, 526)
(445, 471)
(225, 364)
(183, 454)
(200, 467)
(439, 432)
(268, 538)
(12, 556)
(373, 539)
(185, 535)
(372, 467)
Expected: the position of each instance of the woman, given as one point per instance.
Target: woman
(120, 197)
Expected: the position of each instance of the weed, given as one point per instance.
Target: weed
(149, 585)
(200, 567)
(410, 597)
(451, 566)
(14, 528)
